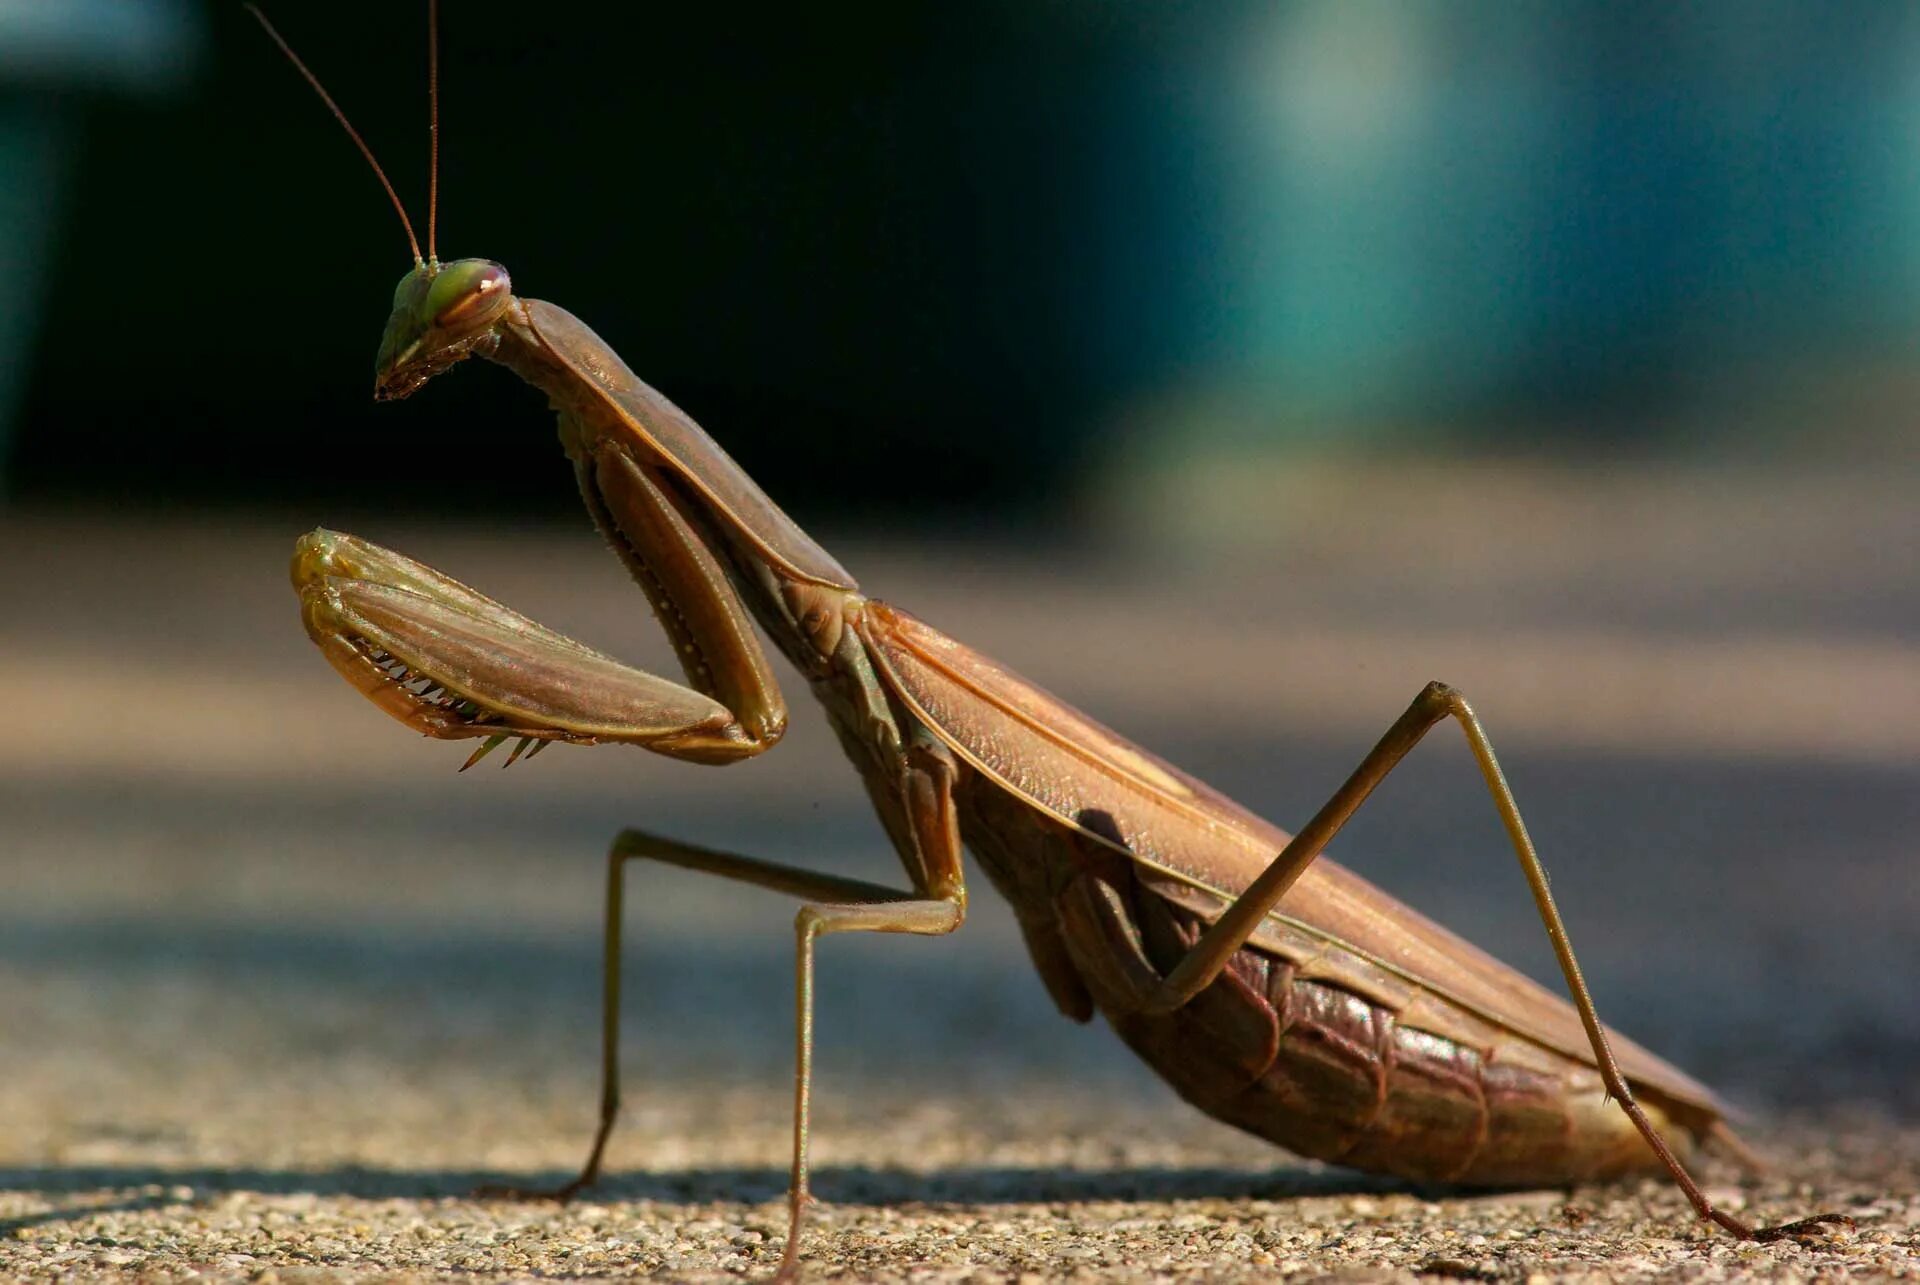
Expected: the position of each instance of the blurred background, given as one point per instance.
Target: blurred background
(1230, 369)
(943, 258)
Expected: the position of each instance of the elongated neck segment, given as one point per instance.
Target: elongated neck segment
(796, 590)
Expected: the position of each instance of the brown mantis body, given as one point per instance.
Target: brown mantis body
(1269, 986)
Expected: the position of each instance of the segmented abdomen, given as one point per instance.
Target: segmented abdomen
(1302, 1061)
(1328, 1074)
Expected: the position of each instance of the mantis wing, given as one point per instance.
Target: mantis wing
(1205, 849)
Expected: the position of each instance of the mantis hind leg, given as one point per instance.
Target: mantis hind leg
(1438, 702)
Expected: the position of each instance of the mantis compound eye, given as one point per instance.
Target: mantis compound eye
(441, 313)
(467, 292)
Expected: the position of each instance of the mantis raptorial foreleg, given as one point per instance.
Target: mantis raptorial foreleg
(380, 617)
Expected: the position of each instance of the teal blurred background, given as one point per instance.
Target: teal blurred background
(907, 258)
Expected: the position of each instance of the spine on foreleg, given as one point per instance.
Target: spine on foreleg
(1329, 1074)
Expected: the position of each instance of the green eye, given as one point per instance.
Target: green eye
(465, 291)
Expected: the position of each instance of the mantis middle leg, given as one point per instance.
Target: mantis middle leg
(631, 845)
(833, 904)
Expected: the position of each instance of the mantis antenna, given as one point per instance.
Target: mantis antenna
(412, 241)
(433, 126)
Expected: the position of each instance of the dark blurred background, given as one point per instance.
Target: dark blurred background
(1229, 368)
(910, 258)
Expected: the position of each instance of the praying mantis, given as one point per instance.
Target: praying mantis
(1269, 986)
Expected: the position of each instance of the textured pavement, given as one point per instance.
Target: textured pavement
(278, 988)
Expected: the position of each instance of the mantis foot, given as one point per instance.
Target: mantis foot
(559, 1195)
(1803, 1227)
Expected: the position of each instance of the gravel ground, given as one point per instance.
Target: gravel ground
(278, 989)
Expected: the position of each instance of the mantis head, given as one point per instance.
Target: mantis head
(441, 313)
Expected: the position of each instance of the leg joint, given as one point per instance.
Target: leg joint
(1444, 700)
